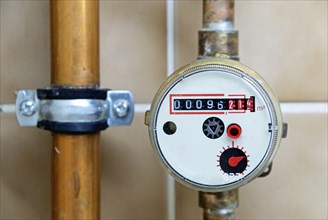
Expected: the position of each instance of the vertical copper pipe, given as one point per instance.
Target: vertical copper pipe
(218, 36)
(75, 42)
(75, 63)
(218, 39)
(218, 12)
(75, 177)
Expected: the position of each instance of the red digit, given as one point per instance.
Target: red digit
(231, 104)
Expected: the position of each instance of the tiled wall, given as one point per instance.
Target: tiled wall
(285, 41)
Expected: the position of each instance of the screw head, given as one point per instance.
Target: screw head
(121, 108)
(28, 108)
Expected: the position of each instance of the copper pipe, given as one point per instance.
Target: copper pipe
(75, 63)
(218, 12)
(75, 177)
(218, 38)
(75, 42)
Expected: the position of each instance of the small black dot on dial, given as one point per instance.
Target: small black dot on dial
(169, 128)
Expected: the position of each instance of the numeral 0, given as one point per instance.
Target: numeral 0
(188, 104)
(177, 104)
(199, 104)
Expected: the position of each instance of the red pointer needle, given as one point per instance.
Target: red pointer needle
(234, 161)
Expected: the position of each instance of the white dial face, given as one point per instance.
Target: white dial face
(215, 128)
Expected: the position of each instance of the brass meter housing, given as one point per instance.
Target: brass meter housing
(215, 125)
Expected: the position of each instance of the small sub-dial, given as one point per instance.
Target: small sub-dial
(213, 127)
(233, 160)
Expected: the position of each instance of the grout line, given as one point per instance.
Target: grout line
(170, 57)
(286, 108)
(304, 107)
(7, 108)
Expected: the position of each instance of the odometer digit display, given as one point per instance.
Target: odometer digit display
(181, 103)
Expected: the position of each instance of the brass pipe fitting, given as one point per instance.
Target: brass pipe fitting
(213, 43)
(219, 206)
(218, 35)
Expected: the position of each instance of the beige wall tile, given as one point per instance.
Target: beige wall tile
(25, 171)
(132, 181)
(297, 186)
(284, 41)
(24, 47)
(133, 46)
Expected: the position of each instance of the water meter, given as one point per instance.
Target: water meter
(215, 124)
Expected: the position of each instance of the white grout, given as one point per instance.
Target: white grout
(141, 107)
(170, 57)
(286, 108)
(7, 108)
(304, 107)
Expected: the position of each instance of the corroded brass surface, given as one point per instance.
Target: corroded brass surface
(223, 200)
(219, 206)
(218, 35)
(213, 43)
(75, 63)
(215, 216)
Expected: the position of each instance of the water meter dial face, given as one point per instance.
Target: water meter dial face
(215, 125)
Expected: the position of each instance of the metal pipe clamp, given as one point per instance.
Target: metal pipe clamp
(74, 110)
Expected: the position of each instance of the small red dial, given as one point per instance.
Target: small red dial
(234, 131)
(233, 160)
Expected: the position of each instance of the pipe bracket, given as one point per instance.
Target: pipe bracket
(74, 110)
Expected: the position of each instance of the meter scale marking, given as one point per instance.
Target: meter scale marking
(191, 104)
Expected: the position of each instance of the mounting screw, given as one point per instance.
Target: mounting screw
(121, 108)
(28, 108)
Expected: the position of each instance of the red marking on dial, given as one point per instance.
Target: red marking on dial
(234, 161)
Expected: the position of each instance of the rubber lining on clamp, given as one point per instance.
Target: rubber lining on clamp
(73, 128)
(72, 93)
